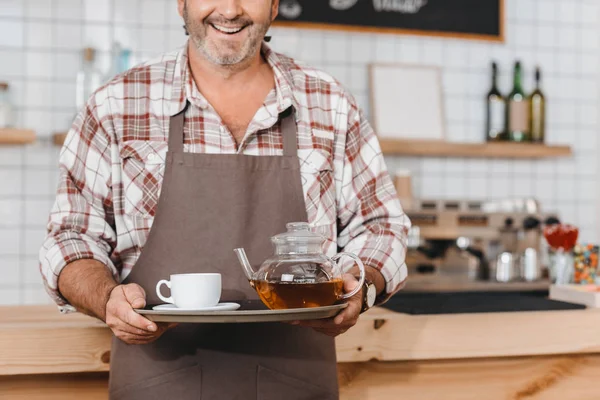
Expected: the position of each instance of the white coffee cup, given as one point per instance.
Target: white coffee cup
(192, 290)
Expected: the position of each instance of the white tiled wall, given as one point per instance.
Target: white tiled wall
(40, 47)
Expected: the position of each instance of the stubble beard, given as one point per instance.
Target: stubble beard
(222, 53)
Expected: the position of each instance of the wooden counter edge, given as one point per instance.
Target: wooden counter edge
(386, 336)
(50, 343)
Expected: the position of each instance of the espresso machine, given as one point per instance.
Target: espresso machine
(498, 241)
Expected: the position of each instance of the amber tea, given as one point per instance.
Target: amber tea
(282, 295)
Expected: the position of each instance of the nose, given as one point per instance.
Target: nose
(230, 9)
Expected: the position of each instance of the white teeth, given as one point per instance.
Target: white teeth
(227, 30)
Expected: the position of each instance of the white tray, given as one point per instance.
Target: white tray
(249, 312)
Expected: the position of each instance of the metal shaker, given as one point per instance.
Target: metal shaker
(505, 268)
(531, 269)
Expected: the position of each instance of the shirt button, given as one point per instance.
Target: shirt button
(151, 156)
(222, 129)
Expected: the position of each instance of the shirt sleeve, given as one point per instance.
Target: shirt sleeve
(371, 222)
(81, 221)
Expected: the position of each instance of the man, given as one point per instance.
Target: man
(214, 147)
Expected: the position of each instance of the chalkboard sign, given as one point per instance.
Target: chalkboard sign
(473, 19)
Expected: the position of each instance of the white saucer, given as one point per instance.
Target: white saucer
(218, 307)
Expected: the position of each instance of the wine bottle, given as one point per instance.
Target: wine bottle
(537, 110)
(496, 110)
(88, 79)
(517, 118)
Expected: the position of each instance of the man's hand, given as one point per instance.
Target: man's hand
(126, 324)
(344, 320)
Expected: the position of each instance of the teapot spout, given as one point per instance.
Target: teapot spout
(241, 254)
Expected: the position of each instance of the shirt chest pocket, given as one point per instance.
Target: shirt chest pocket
(143, 166)
(318, 183)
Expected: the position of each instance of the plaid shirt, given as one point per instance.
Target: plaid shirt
(113, 160)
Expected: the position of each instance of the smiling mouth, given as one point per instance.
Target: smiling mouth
(226, 30)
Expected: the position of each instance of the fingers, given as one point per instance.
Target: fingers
(350, 282)
(135, 320)
(135, 339)
(118, 322)
(350, 313)
(127, 317)
(135, 295)
(147, 337)
(329, 326)
(126, 297)
(326, 326)
(128, 325)
(135, 331)
(121, 317)
(345, 320)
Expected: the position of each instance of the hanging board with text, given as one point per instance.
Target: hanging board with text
(471, 19)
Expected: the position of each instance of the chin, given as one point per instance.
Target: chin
(227, 57)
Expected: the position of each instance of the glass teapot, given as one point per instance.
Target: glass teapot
(299, 275)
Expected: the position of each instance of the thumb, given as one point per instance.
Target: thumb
(135, 295)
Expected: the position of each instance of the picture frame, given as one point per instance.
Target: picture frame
(407, 102)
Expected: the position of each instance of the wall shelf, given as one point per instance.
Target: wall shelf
(449, 149)
(13, 136)
(435, 148)
(58, 138)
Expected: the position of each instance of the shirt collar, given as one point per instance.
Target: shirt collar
(184, 88)
(178, 94)
(284, 82)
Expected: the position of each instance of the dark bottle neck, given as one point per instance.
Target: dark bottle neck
(538, 78)
(517, 87)
(494, 77)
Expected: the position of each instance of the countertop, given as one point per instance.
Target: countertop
(40, 340)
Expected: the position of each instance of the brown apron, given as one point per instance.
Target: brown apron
(209, 205)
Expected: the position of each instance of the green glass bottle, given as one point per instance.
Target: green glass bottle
(496, 110)
(517, 111)
(537, 111)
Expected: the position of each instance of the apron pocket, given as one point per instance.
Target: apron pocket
(273, 385)
(182, 384)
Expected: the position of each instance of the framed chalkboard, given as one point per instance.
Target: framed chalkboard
(470, 19)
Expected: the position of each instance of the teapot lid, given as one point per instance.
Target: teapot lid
(298, 232)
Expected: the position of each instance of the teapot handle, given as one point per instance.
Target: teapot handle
(361, 267)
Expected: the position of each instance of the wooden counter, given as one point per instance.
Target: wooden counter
(386, 356)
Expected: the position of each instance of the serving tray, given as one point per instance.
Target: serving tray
(250, 311)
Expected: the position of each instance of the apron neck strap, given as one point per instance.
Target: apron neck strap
(289, 131)
(176, 130)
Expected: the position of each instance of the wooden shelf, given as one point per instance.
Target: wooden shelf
(474, 150)
(14, 136)
(58, 138)
(449, 149)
